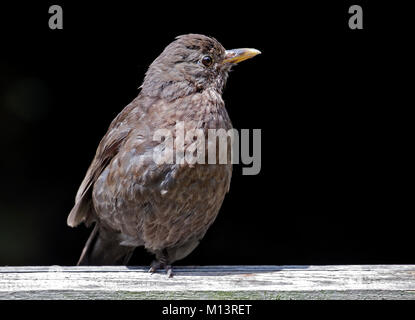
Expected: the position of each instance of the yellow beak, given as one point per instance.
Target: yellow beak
(238, 55)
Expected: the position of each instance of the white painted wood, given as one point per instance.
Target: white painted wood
(112, 282)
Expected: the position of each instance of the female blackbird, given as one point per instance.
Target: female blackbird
(136, 201)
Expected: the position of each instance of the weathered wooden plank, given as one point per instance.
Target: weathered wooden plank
(210, 282)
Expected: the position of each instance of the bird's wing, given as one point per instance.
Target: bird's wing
(83, 209)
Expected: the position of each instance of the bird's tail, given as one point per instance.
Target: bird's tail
(103, 248)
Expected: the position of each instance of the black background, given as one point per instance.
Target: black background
(334, 106)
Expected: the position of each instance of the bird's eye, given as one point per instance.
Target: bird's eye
(207, 60)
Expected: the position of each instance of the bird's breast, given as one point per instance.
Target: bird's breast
(153, 201)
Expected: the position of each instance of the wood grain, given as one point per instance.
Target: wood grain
(210, 282)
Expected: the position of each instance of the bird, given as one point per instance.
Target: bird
(134, 201)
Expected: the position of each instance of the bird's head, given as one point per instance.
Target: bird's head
(191, 63)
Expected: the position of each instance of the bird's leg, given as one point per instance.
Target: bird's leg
(161, 262)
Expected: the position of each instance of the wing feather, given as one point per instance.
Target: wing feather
(83, 210)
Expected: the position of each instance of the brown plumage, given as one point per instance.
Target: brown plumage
(134, 201)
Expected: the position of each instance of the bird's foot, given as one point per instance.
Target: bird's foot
(155, 265)
(169, 271)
